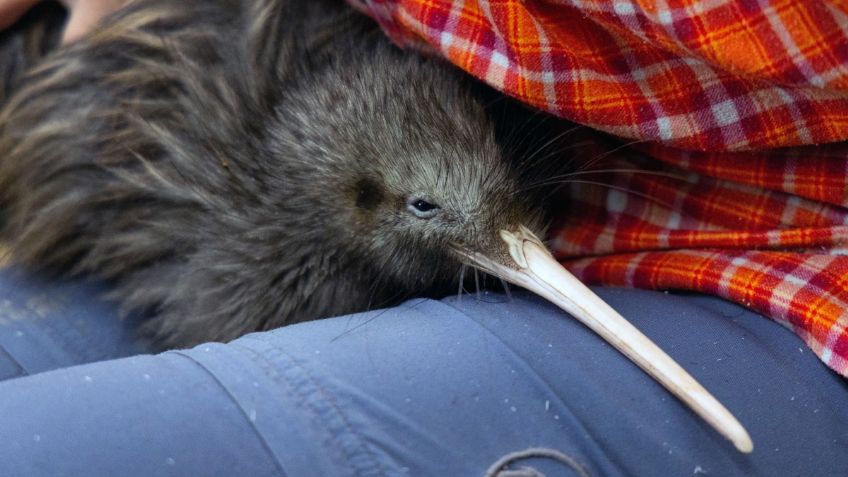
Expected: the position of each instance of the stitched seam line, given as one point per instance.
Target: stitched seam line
(236, 402)
(332, 416)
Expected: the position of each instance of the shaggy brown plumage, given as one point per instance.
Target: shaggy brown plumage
(235, 166)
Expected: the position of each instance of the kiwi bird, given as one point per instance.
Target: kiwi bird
(237, 166)
(235, 169)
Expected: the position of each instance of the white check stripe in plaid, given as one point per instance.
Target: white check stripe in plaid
(690, 9)
(836, 333)
(793, 52)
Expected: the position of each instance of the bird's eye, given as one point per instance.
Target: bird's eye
(422, 208)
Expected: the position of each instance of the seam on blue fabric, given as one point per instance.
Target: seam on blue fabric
(327, 415)
(244, 411)
(22, 372)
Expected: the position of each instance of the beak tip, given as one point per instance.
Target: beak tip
(743, 443)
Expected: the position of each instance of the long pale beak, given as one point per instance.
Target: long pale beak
(538, 271)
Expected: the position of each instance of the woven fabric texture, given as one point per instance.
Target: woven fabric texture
(729, 177)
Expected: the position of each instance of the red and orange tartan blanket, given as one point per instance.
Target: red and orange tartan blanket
(735, 109)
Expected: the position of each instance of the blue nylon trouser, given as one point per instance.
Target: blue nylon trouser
(430, 388)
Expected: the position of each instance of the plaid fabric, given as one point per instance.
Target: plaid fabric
(702, 75)
(702, 199)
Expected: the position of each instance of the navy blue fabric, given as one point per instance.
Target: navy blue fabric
(50, 324)
(430, 388)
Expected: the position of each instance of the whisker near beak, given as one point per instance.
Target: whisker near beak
(536, 270)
